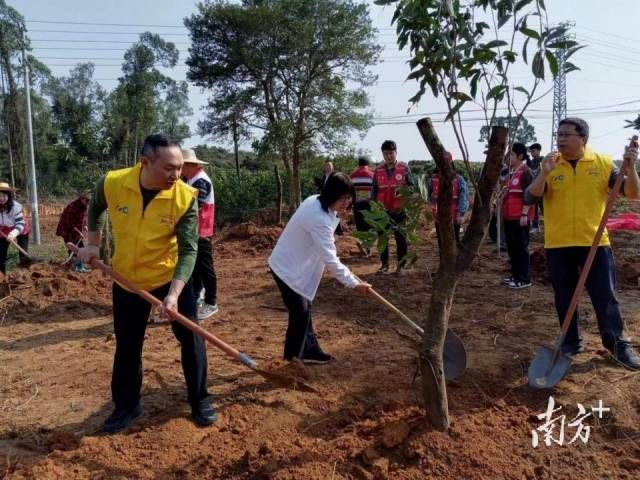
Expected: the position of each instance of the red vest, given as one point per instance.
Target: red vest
(514, 200)
(206, 211)
(388, 186)
(362, 179)
(435, 190)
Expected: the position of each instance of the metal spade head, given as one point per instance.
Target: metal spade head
(454, 356)
(545, 371)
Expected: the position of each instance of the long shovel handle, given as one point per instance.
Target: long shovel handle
(15, 244)
(613, 194)
(395, 309)
(177, 316)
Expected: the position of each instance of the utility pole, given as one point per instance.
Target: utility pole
(560, 88)
(6, 126)
(33, 185)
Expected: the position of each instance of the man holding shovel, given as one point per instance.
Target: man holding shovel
(574, 185)
(154, 217)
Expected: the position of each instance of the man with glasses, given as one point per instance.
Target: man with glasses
(574, 184)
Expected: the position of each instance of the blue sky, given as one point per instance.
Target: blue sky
(604, 92)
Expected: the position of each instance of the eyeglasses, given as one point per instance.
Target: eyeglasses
(564, 135)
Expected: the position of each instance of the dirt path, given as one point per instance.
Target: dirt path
(56, 348)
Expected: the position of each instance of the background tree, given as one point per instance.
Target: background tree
(525, 133)
(303, 64)
(463, 52)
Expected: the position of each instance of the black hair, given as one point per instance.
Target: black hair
(155, 141)
(336, 186)
(535, 146)
(363, 160)
(389, 145)
(9, 205)
(582, 127)
(521, 149)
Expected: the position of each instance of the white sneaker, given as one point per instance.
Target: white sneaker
(205, 311)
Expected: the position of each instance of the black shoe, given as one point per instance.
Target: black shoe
(626, 355)
(204, 416)
(121, 418)
(571, 349)
(317, 357)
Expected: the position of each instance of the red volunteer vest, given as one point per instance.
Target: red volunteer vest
(435, 190)
(514, 200)
(206, 211)
(362, 179)
(388, 186)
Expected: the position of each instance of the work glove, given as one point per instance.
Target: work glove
(11, 236)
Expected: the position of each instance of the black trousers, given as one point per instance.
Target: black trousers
(130, 315)
(564, 266)
(401, 242)
(358, 217)
(300, 337)
(204, 274)
(518, 248)
(23, 241)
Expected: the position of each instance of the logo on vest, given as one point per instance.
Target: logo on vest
(122, 209)
(515, 181)
(558, 178)
(166, 220)
(399, 177)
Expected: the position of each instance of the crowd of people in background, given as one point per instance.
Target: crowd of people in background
(163, 230)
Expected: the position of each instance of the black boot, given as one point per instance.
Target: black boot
(624, 353)
(121, 418)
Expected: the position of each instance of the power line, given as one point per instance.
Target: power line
(60, 22)
(102, 32)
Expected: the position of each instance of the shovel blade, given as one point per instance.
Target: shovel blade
(545, 371)
(454, 356)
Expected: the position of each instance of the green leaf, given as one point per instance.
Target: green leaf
(461, 96)
(496, 43)
(503, 20)
(521, 4)
(523, 90)
(537, 66)
(510, 56)
(497, 92)
(454, 110)
(573, 50)
(542, 6)
(524, 51)
(570, 67)
(553, 62)
(530, 33)
(564, 44)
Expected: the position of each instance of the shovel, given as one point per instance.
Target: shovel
(243, 358)
(549, 366)
(454, 356)
(15, 244)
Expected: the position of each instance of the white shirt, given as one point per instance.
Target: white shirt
(305, 247)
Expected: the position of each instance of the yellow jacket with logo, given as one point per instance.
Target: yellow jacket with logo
(575, 201)
(145, 243)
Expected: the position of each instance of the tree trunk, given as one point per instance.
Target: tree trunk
(452, 263)
(296, 192)
(278, 193)
(235, 147)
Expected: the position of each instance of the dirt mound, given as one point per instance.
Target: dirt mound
(248, 237)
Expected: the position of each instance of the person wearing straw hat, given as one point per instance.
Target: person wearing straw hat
(204, 274)
(12, 225)
(154, 219)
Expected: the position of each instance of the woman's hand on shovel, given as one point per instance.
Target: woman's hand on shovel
(363, 288)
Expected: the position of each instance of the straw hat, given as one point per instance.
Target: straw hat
(5, 187)
(189, 156)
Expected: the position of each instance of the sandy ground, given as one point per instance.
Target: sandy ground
(365, 421)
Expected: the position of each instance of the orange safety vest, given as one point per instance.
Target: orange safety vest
(435, 190)
(389, 186)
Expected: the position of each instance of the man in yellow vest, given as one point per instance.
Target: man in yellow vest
(574, 185)
(154, 216)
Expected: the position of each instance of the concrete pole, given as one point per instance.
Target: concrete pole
(6, 125)
(33, 185)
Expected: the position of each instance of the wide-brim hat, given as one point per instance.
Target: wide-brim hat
(5, 187)
(189, 156)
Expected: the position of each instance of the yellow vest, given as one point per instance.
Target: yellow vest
(575, 200)
(145, 244)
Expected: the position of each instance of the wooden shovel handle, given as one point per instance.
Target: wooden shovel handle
(15, 244)
(175, 315)
(613, 194)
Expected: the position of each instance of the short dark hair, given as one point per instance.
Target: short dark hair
(155, 141)
(389, 145)
(9, 205)
(363, 160)
(520, 149)
(336, 186)
(535, 146)
(581, 126)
